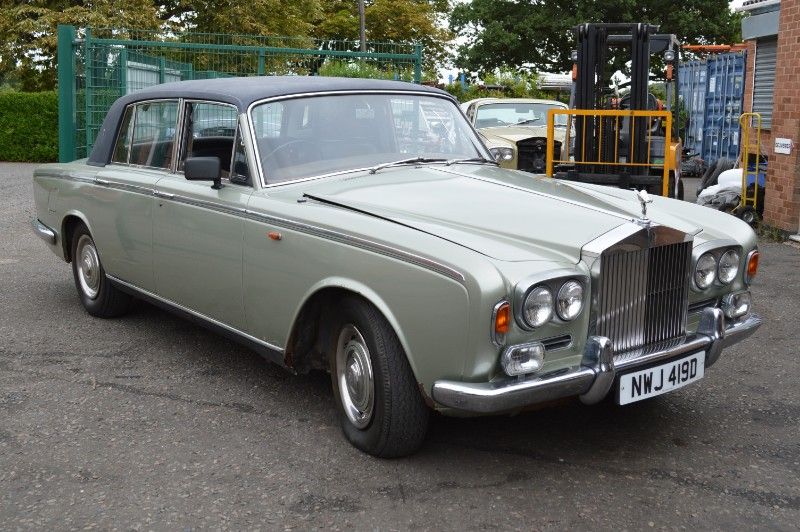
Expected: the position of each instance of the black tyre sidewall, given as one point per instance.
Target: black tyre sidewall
(100, 305)
(382, 343)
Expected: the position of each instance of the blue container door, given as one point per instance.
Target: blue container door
(723, 106)
(692, 94)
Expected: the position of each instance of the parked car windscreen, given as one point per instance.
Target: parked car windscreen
(520, 113)
(316, 135)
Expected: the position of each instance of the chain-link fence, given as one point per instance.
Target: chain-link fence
(97, 66)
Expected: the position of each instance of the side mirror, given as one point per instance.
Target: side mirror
(203, 169)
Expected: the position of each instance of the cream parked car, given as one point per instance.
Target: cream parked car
(515, 129)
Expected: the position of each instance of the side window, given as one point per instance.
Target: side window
(240, 171)
(209, 130)
(153, 139)
(123, 145)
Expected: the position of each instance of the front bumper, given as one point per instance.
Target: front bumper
(593, 378)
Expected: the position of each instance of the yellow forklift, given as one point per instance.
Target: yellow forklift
(624, 140)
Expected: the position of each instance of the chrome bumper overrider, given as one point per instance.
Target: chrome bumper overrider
(43, 232)
(592, 380)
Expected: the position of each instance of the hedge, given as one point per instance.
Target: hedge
(28, 126)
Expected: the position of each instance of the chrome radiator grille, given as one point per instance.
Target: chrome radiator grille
(643, 295)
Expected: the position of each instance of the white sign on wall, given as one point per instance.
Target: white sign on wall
(783, 146)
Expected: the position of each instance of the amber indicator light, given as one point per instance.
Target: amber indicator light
(502, 321)
(752, 265)
(274, 235)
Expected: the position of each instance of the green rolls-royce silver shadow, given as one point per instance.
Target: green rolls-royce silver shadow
(362, 228)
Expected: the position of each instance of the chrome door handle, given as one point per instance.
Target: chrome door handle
(165, 195)
(103, 182)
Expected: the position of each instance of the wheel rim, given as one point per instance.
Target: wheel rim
(88, 267)
(354, 375)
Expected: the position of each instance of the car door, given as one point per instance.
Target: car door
(197, 229)
(122, 222)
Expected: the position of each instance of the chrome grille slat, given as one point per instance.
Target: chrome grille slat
(643, 295)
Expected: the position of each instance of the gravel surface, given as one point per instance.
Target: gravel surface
(150, 422)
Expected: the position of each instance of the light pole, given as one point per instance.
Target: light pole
(361, 25)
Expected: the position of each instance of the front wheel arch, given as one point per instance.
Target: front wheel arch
(303, 354)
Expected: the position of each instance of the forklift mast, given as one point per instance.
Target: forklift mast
(606, 147)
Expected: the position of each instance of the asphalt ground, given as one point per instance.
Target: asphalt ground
(150, 422)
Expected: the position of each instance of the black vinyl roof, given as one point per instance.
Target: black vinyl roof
(240, 92)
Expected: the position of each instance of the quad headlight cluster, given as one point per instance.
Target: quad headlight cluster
(712, 267)
(541, 304)
(502, 154)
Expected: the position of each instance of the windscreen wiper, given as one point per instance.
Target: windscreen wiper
(524, 122)
(411, 160)
(480, 160)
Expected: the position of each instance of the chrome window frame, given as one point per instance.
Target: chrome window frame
(179, 116)
(476, 141)
(182, 115)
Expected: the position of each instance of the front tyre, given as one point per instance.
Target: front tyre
(381, 410)
(99, 297)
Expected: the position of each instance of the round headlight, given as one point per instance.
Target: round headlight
(502, 154)
(705, 270)
(538, 307)
(728, 266)
(569, 301)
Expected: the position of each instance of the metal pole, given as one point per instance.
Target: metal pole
(362, 25)
(66, 94)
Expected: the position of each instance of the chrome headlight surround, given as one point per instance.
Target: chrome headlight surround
(554, 281)
(716, 249)
(502, 153)
(705, 270)
(538, 306)
(569, 300)
(728, 266)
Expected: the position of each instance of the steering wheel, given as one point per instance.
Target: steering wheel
(290, 152)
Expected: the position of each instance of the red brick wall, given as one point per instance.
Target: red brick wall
(782, 205)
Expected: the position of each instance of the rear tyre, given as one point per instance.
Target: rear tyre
(99, 297)
(381, 410)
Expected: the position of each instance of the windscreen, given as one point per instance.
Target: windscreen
(311, 136)
(513, 114)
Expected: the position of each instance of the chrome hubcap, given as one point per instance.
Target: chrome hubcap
(354, 375)
(88, 267)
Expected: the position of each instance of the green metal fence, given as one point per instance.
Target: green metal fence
(97, 66)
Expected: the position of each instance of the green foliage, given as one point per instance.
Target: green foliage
(502, 83)
(28, 37)
(363, 69)
(537, 33)
(28, 126)
(390, 21)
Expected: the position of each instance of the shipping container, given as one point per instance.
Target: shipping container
(711, 91)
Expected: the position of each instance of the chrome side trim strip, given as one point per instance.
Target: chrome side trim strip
(196, 314)
(329, 234)
(43, 232)
(362, 243)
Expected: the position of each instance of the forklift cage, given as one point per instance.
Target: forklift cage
(620, 158)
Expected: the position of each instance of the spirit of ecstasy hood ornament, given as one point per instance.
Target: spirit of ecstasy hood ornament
(644, 199)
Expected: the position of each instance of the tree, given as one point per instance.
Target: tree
(28, 39)
(537, 33)
(390, 21)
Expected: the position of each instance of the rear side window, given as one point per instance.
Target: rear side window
(153, 139)
(122, 147)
